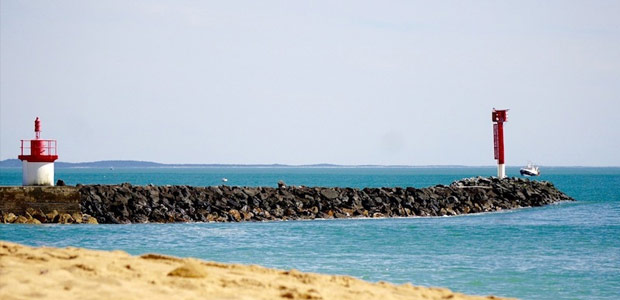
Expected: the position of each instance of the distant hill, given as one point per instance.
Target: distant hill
(110, 163)
(16, 163)
(11, 163)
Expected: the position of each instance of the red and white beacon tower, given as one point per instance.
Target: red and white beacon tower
(38, 158)
(499, 117)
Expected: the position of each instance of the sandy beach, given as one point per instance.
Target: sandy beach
(75, 273)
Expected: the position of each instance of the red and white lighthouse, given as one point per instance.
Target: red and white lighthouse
(499, 117)
(38, 158)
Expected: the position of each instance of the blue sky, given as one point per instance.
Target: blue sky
(345, 82)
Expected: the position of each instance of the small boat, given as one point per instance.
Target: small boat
(224, 179)
(530, 170)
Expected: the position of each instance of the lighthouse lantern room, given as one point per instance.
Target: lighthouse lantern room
(38, 158)
(499, 117)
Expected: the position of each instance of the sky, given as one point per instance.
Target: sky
(306, 82)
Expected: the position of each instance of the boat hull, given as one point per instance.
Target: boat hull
(525, 172)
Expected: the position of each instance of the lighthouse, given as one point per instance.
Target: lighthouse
(38, 158)
(499, 117)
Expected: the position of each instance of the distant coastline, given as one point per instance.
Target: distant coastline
(127, 164)
(16, 163)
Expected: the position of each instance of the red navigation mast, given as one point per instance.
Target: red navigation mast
(499, 117)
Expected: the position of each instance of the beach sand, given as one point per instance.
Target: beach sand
(75, 273)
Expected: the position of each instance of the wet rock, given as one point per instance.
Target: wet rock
(212, 217)
(52, 216)
(247, 216)
(65, 219)
(21, 220)
(32, 220)
(77, 217)
(235, 215)
(339, 215)
(10, 218)
(37, 214)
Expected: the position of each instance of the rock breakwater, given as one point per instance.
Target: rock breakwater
(126, 203)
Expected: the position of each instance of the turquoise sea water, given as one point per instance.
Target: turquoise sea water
(563, 251)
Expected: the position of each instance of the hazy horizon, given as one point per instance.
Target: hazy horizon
(304, 165)
(347, 83)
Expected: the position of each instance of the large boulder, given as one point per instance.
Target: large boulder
(236, 216)
(329, 193)
(21, 220)
(65, 219)
(9, 218)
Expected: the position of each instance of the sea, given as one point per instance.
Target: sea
(569, 250)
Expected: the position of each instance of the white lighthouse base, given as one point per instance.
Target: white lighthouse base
(37, 173)
(501, 171)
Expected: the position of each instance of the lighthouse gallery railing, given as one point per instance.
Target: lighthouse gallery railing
(47, 147)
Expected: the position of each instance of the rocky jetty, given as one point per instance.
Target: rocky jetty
(126, 203)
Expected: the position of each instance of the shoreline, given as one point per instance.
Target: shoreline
(77, 273)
